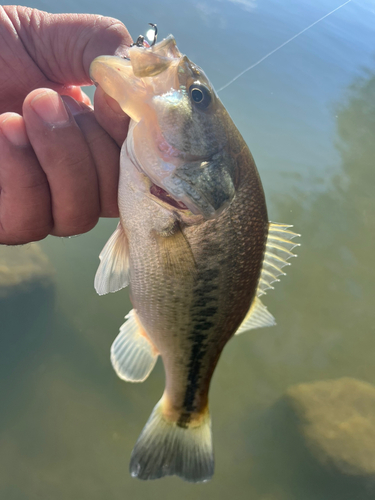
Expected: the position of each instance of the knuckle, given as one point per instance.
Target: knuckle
(74, 228)
(25, 235)
(41, 233)
(69, 224)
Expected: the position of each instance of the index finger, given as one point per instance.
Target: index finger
(66, 159)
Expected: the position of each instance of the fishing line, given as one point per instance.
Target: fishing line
(280, 46)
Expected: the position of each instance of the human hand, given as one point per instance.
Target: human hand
(58, 165)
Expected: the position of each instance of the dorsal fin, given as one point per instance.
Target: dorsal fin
(257, 317)
(278, 251)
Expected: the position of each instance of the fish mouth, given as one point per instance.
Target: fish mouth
(165, 197)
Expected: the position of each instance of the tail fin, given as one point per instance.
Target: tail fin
(166, 449)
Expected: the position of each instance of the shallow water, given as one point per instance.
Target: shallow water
(68, 425)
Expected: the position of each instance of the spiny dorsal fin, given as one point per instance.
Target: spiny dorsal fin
(133, 356)
(257, 317)
(278, 251)
(113, 270)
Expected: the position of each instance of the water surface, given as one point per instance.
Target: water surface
(68, 424)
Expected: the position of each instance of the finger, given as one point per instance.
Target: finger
(110, 116)
(64, 45)
(105, 153)
(65, 158)
(25, 205)
(52, 50)
(71, 90)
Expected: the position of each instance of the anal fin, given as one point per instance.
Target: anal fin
(113, 270)
(132, 354)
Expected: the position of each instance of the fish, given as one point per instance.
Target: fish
(194, 245)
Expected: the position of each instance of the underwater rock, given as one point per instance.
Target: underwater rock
(22, 267)
(336, 420)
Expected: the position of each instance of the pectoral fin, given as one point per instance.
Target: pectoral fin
(175, 254)
(132, 354)
(113, 270)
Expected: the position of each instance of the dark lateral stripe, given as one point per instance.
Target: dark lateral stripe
(197, 353)
(202, 314)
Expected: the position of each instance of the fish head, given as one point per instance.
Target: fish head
(181, 132)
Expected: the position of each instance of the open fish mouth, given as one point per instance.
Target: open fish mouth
(165, 197)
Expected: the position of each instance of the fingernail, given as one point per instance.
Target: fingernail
(75, 92)
(49, 106)
(13, 127)
(73, 105)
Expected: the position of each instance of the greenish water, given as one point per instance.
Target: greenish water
(68, 425)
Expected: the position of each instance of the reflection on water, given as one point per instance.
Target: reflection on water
(338, 225)
(68, 424)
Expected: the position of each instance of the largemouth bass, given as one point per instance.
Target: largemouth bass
(193, 242)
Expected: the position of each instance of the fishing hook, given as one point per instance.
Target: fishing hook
(141, 42)
(141, 39)
(155, 28)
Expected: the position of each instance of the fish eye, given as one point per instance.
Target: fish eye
(200, 95)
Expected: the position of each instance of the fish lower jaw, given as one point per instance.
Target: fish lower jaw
(162, 195)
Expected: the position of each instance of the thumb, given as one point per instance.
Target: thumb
(63, 46)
